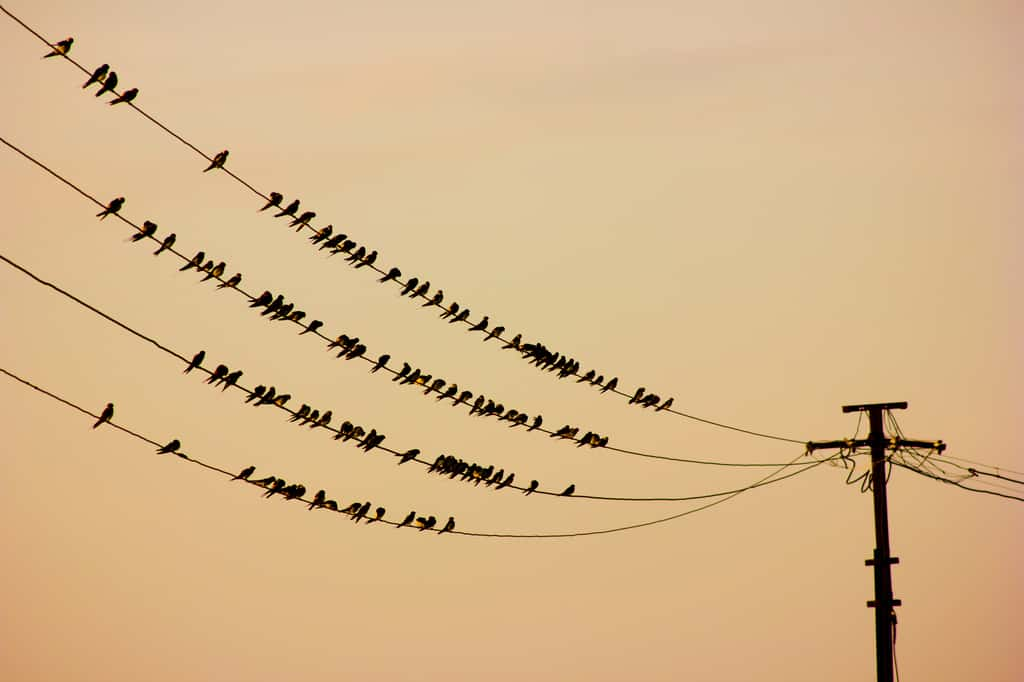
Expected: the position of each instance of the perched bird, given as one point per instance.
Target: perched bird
(409, 286)
(537, 421)
(267, 396)
(218, 161)
(421, 290)
(378, 514)
(381, 362)
(98, 75)
(436, 299)
(427, 523)
(321, 234)
(325, 420)
(218, 373)
(481, 325)
(449, 311)
(296, 490)
(216, 271)
(282, 399)
(361, 513)
(60, 48)
(409, 455)
(274, 199)
(533, 486)
(196, 262)
(357, 255)
(665, 405)
(318, 499)
(256, 393)
(262, 300)
(589, 376)
(312, 327)
(449, 526)
(300, 413)
(106, 415)
(508, 481)
(333, 242)
(409, 518)
(303, 219)
(610, 386)
(170, 447)
(290, 209)
(231, 379)
(569, 491)
(514, 343)
(113, 207)
(370, 259)
(148, 230)
(393, 273)
(275, 487)
(235, 280)
(461, 317)
(167, 243)
(330, 504)
(244, 474)
(109, 83)
(406, 367)
(269, 480)
(497, 331)
(126, 96)
(197, 360)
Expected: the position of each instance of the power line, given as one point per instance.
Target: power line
(956, 483)
(548, 357)
(340, 431)
(589, 438)
(770, 478)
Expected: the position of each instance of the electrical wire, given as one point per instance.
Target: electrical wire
(338, 431)
(380, 270)
(766, 480)
(957, 483)
(320, 335)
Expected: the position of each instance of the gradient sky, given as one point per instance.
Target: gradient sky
(766, 210)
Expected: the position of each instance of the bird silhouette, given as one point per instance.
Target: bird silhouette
(290, 209)
(406, 367)
(231, 379)
(216, 271)
(496, 331)
(409, 518)
(427, 523)
(449, 526)
(109, 83)
(218, 373)
(113, 207)
(449, 311)
(318, 499)
(533, 486)
(274, 199)
(481, 325)
(244, 474)
(537, 421)
(435, 299)
(256, 393)
(61, 47)
(148, 230)
(461, 317)
(665, 405)
(98, 75)
(393, 273)
(514, 343)
(106, 415)
(167, 243)
(409, 455)
(262, 300)
(126, 96)
(312, 327)
(370, 259)
(378, 514)
(569, 491)
(218, 161)
(275, 487)
(381, 362)
(638, 396)
(421, 290)
(610, 386)
(303, 219)
(235, 280)
(409, 286)
(197, 360)
(169, 447)
(195, 262)
(507, 482)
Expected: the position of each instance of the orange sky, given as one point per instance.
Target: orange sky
(764, 212)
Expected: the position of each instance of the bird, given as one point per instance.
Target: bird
(533, 486)
(218, 161)
(449, 311)
(421, 290)
(109, 83)
(296, 490)
(481, 325)
(330, 504)
(357, 255)
(275, 487)
(409, 518)
(569, 491)
(610, 386)
(196, 360)
(393, 273)
(148, 230)
(587, 377)
(508, 481)
(381, 362)
(537, 421)
(235, 280)
(255, 393)
(426, 523)
(409, 286)
(665, 405)
(282, 399)
(302, 219)
(218, 373)
(267, 397)
(449, 526)
(370, 259)
(290, 209)
(216, 271)
(461, 317)
(106, 415)
(318, 499)
(269, 480)
(262, 300)
(274, 199)
(195, 262)
(113, 207)
(436, 299)
(167, 243)
(325, 420)
(409, 455)
(361, 512)
(170, 447)
(514, 343)
(62, 47)
(496, 331)
(312, 327)
(231, 379)
(406, 367)
(126, 96)
(378, 514)
(244, 474)
(333, 242)
(98, 75)
(300, 413)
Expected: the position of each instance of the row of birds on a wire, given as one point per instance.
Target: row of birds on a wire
(309, 416)
(278, 308)
(536, 354)
(275, 485)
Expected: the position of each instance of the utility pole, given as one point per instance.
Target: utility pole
(882, 560)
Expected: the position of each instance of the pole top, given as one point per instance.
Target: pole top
(879, 406)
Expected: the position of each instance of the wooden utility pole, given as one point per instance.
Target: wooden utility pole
(882, 560)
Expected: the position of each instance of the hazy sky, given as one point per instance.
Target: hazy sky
(765, 210)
